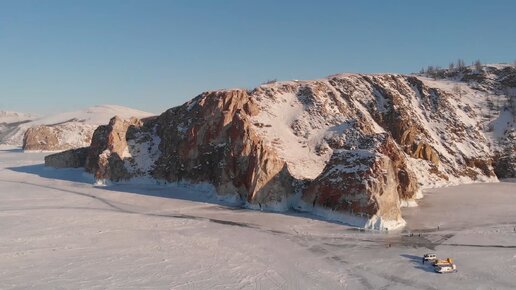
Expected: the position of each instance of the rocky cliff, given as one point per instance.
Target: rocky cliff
(349, 147)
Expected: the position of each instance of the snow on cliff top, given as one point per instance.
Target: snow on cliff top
(300, 118)
(298, 124)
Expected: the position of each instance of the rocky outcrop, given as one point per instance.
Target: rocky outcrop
(73, 158)
(397, 117)
(108, 148)
(351, 147)
(505, 165)
(214, 139)
(504, 160)
(57, 137)
(426, 152)
(41, 138)
(369, 181)
(211, 139)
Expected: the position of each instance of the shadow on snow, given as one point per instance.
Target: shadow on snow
(418, 263)
(181, 191)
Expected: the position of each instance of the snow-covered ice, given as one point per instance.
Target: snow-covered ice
(59, 230)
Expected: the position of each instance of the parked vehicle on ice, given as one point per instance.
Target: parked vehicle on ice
(446, 261)
(430, 257)
(445, 268)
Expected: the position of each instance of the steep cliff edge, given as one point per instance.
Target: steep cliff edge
(216, 143)
(105, 158)
(349, 147)
(208, 140)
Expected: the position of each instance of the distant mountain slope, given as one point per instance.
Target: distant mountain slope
(9, 122)
(96, 115)
(68, 129)
(349, 147)
(7, 117)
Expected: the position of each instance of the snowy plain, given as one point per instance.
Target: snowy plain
(59, 231)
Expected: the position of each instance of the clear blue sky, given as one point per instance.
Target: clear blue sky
(152, 55)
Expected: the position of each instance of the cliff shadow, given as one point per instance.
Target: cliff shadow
(13, 150)
(67, 174)
(181, 190)
(175, 190)
(202, 193)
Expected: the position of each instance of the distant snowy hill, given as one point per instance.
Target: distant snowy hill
(8, 117)
(10, 121)
(96, 115)
(74, 129)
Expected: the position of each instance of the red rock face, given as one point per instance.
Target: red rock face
(40, 138)
(211, 140)
(106, 152)
(367, 181)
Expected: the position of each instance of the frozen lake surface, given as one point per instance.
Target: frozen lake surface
(57, 230)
